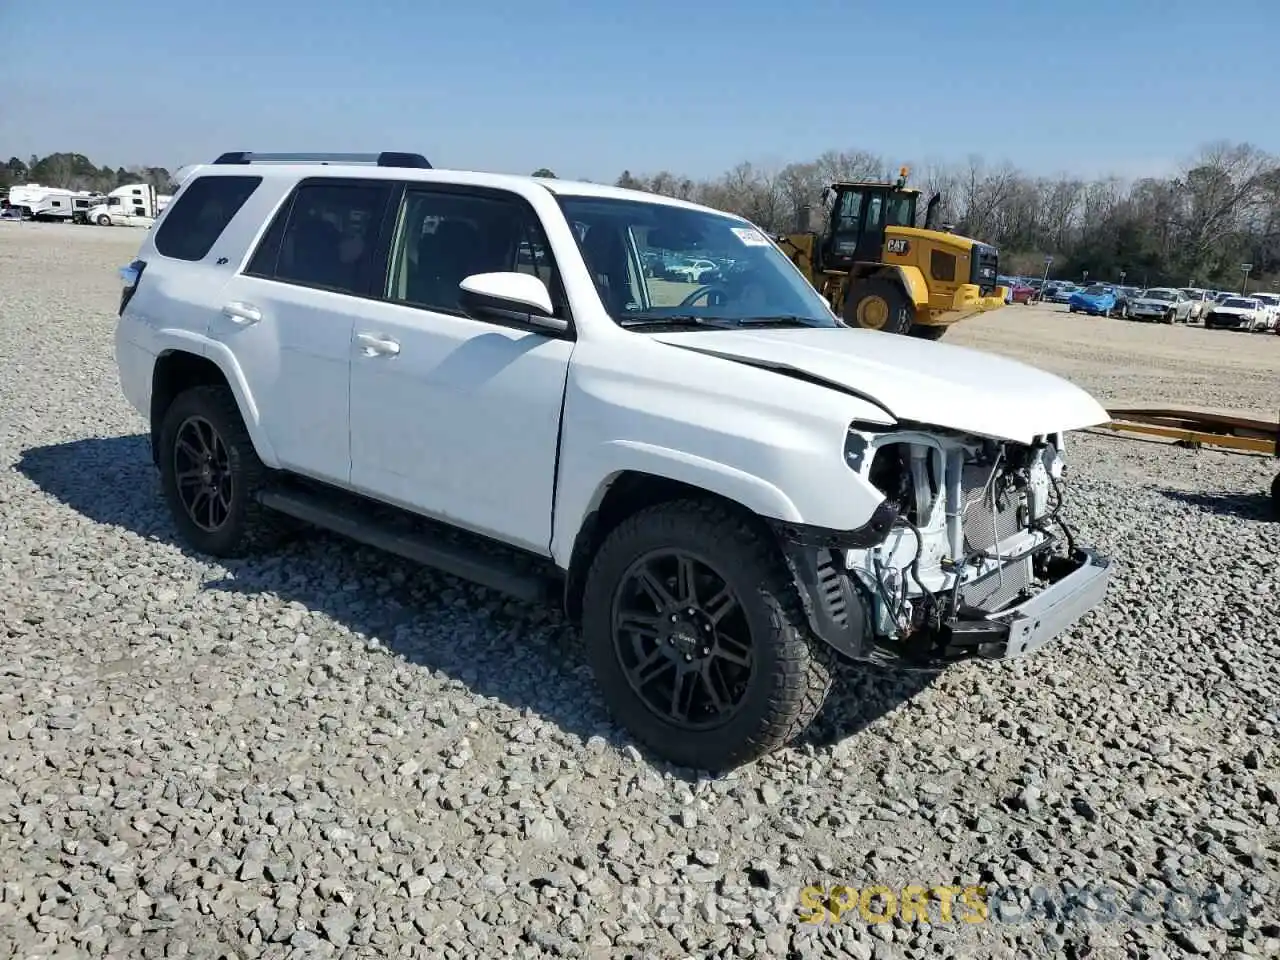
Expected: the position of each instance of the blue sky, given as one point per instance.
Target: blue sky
(1130, 87)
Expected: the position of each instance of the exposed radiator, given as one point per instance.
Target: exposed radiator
(990, 515)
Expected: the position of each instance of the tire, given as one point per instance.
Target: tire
(243, 525)
(790, 670)
(104, 220)
(872, 297)
(1275, 497)
(930, 331)
(1170, 317)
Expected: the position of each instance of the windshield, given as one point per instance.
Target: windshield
(902, 210)
(1268, 299)
(1096, 291)
(654, 262)
(1158, 295)
(1239, 302)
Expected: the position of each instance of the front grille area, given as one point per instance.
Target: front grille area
(1214, 319)
(985, 270)
(991, 513)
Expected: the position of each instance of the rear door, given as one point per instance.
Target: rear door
(288, 317)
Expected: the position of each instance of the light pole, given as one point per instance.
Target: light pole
(1122, 276)
(1048, 261)
(1245, 268)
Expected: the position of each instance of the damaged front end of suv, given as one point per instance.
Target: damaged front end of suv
(970, 553)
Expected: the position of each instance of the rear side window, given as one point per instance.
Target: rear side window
(201, 211)
(324, 236)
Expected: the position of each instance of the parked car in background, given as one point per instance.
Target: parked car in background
(693, 271)
(1098, 300)
(1060, 292)
(1236, 313)
(1201, 300)
(1161, 304)
(1271, 304)
(1020, 292)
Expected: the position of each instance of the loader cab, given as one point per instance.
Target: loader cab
(857, 218)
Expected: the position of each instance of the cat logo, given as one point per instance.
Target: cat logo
(897, 245)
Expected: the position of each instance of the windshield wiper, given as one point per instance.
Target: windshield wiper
(778, 320)
(714, 323)
(674, 320)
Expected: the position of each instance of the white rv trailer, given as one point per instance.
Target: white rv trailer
(52, 203)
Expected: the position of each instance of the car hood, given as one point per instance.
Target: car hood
(1239, 311)
(1094, 296)
(914, 380)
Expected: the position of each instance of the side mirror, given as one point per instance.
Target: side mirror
(509, 296)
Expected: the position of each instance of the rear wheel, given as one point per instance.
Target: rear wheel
(879, 305)
(696, 636)
(211, 475)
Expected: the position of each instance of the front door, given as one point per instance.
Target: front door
(452, 417)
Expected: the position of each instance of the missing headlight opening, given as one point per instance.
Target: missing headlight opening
(979, 532)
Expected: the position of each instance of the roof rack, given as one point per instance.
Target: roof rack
(385, 159)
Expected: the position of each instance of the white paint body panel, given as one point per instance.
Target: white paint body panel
(464, 422)
(918, 380)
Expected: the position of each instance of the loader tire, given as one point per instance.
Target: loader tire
(879, 305)
(928, 332)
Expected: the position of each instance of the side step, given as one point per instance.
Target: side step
(462, 554)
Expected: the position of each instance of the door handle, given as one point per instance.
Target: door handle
(377, 346)
(242, 313)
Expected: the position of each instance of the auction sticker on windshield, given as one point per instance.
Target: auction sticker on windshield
(750, 237)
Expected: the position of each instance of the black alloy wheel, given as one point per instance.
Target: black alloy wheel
(202, 471)
(682, 639)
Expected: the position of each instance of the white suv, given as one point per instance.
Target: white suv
(724, 486)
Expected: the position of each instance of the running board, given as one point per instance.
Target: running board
(464, 555)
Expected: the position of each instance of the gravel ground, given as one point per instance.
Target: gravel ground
(329, 753)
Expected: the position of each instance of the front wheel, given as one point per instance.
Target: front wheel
(931, 331)
(879, 305)
(104, 221)
(695, 634)
(211, 475)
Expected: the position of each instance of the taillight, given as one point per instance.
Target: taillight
(131, 275)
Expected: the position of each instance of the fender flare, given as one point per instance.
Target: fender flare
(907, 276)
(913, 283)
(634, 456)
(171, 340)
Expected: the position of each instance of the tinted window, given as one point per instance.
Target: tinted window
(444, 238)
(324, 236)
(201, 211)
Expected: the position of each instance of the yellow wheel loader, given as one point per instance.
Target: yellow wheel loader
(881, 272)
